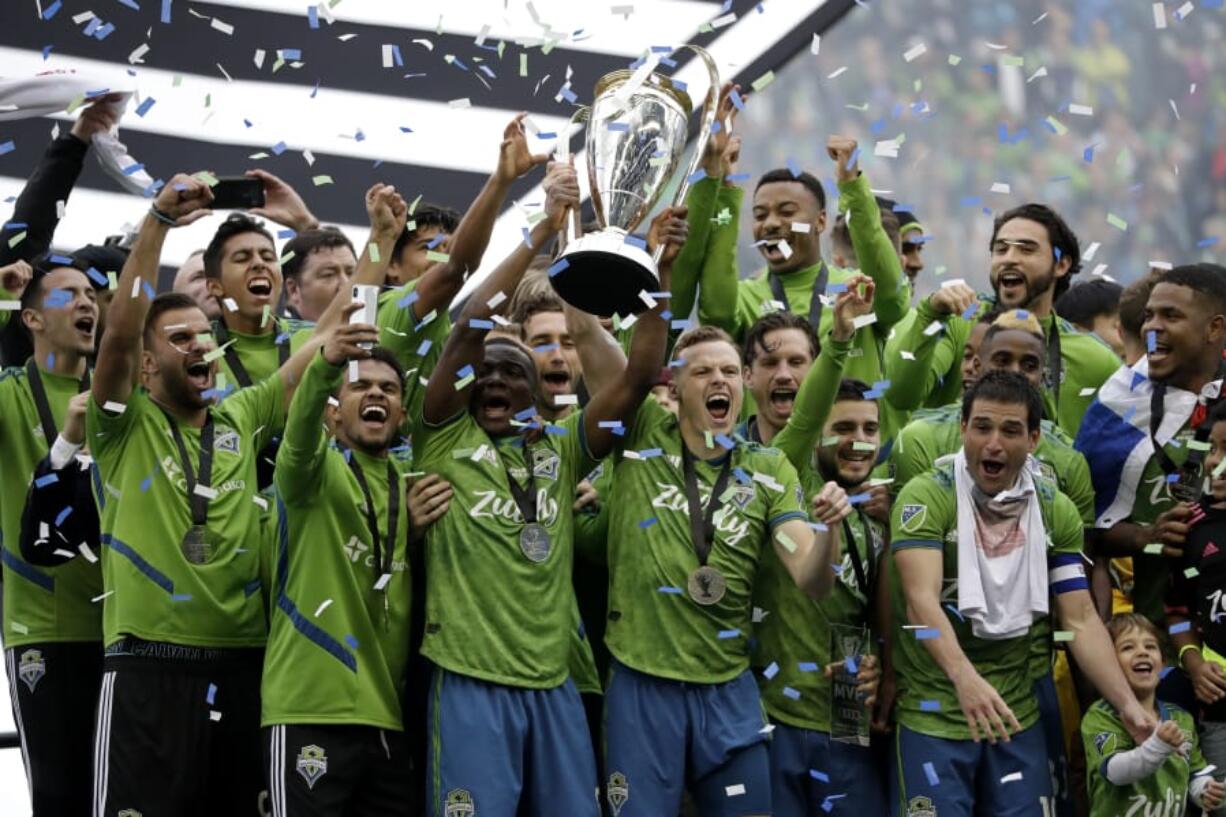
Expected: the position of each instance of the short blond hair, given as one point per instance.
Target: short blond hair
(702, 334)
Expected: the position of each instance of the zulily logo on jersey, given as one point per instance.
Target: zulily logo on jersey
(1171, 805)
(490, 505)
(670, 497)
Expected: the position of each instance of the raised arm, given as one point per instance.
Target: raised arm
(182, 201)
(466, 343)
(345, 336)
(877, 254)
(600, 354)
(718, 162)
(935, 353)
(808, 552)
(618, 400)
(803, 430)
(717, 284)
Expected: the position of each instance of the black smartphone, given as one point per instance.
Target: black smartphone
(239, 193)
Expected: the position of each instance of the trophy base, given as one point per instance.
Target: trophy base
(605, 275)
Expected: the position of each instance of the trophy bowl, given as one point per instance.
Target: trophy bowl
(636, 136)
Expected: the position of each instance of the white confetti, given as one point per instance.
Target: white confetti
(801, 227)
(223, 27)
(861, 321)
(815, 47)
(838, 72)
(566, 400)
(1088, 255)
(1159, 16)
(915, 52)
(324, 605)
(1080, 110)
(735, 790)
(1001, 187)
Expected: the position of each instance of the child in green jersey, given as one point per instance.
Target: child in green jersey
(1159, 775)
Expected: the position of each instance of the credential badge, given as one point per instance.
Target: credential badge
(32, 668)
(312, 764)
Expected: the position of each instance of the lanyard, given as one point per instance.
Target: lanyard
(1157, 407)
(702, 520)
(383, 552)
(815, 298)
(198, 501)
(234, 361)
(864, 577)
(1055, 365)
(39, 393)
(525, 497)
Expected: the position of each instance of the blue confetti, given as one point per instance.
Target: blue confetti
(1151, 341)
(926, 633)
(771, 671)
(697, 176)
(166, 11)
(57, 299)
(424, 348)
(676, 591)
(1206, 242)
(788, 692)
(7, 147)
(181, 597)
(821, 776)
(291, 53)
(278, 149)
(807, 666)
(558, 266)
(931, 773)
(1181, 627)
(62, 515)
(51, 10)
(859, 499)
(930, 706)
(647, 523)
(44, 481)
(465, 372)
(211, 695)
(734, 97)
(849, 664)
(351, 641)
(793, 168)
(478, 323)
(726, 634)
(313, 16)
(619, 127)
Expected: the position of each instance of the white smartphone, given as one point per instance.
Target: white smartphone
(368, 296)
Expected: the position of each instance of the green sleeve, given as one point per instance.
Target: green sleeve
(299, 459)
(788, 503)
(574, 446)
(106, 430)
(800, 436)
(1103, 736)
(922, 515)
(1196, 758)
(1075, 481)
(717, 286)
(686, 269)
(876, 253)
(911, 381)
(260, 409)
(913, 453)
(592, 526)
(5, 295)
(1068, 531)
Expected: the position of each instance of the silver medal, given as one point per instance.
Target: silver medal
(534, 542)
(707, 585)
(199, 545)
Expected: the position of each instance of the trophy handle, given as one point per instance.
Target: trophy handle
(709, 109)
(572, 229)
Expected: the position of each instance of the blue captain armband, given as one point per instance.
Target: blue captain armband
(1066, 573)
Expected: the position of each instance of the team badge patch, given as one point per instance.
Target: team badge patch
(1104, 742)
(913, 516)
(228, 440)
(32, 668)
(460, 804)
(312, 764)
(129, 812)
(742, 495)
(921, 807)
(545, 463)
(619, 792)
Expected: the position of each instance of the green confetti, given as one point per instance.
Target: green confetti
(464, 382)
(523, 65)
(1117, 222)
(320, 181)
(217, 353)
(785, 540)
(1154, 549)
(77, 101)
(1062, 635)
(438, 257)
(206, 177)
(17, 239)
(762, 81)
(413, 206)
(1198, 445)
(373, 251)
(1191, 573)
(1014, 61)
(501, 47)
(285, 259)
(708, 439)
(1217, 470)
(954, 59)
(112, 280)
(1056, 125)
(177, 81)
(862, 446)
(829, 441)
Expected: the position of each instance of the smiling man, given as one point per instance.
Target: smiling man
(184, 621)
(52, 630)
(318, 264)
(542, 326)
(979, 545)
(1034, 255)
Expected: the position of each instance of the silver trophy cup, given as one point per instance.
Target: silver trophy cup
(636, 135)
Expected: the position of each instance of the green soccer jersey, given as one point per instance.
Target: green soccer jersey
(936, 370)
(338, 640)
(794, 633)
(590, 657)
(936, 433)
(417, 344)
(926, 515)
(260, 355)
(41, 604)
(654, 626)
(491, 612)
(153, 592)
(1164, 793)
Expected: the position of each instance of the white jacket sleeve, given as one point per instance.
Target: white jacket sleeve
(1126, 768)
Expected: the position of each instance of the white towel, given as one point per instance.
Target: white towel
(1001, 592)
(51, 93)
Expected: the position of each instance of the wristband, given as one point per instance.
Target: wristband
(1184, 649)
(162, 217)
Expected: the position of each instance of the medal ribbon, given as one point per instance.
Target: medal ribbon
(815, 299)
(383, 552)
(1191, 466)
(864, 577)
(702, 520)
(234, 361)
(199, 503)
(1055, 366)
(525, 497)
(39, 393)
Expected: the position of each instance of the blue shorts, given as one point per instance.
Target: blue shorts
(507, 751)
(812, 773)
(961, 778)
(1053, 737)
(662, 736)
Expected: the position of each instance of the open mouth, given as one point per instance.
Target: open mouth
(1159, 352)
(556, 381)
(260, 287)
(770, 249)
(496, 407)
(782, 400)
(200, 375)
(851, 456)
(992, 468)
(1011, 280)
(1143, 668)
(84, 325)
(719, 406)
(373, 414)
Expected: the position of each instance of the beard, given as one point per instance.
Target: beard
(1032, 290)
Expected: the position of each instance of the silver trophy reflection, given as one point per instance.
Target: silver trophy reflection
(636, 135)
